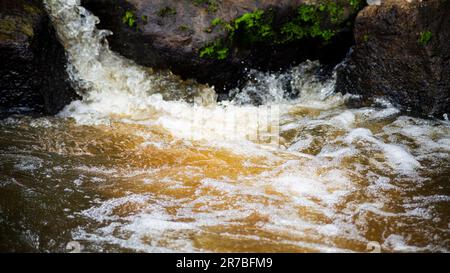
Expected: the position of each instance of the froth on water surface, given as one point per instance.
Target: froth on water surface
(341, 180)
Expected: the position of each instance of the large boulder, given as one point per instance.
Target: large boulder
(32, 70)
(214, 41)
(402, 53)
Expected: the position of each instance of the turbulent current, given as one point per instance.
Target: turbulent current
(147, 162)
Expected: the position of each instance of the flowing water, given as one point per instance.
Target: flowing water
(147, 162)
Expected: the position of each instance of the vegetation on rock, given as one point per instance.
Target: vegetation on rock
(312, 21)
(129, 19)
(425, 37)
(215, 51)
(216, 48)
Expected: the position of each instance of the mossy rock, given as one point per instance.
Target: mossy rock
(19, 20)
(401, 54)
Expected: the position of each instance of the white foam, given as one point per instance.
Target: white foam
(104, 212)
(399, 158)
(29, 163)
(344, 120)
(397, 243)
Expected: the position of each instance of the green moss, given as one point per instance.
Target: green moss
(215, 51)
(27, 29)
(425, 37)
(31, 9)
(10, 25)
(129, 19)
(167, 11)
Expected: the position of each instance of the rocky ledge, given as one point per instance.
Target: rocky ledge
(32, 70)
(402, 53)
(214, 41)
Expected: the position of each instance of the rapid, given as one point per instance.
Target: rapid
(146, 162)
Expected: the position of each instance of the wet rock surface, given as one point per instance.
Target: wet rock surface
(175, 34)
(33, 68)
(402, 52)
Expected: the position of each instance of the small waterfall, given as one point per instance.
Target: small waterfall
(94, 68)
(113, 87)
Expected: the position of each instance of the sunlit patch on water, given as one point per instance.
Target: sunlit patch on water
(146, 162)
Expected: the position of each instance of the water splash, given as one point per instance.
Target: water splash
(114, 88)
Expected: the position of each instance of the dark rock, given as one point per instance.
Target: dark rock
(402, 52)
(170, 34)
(33, 66)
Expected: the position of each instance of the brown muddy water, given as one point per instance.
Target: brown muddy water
(133, 167)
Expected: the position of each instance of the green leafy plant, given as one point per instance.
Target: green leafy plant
(129, 19)
(310, 22)
(425, 37)
(215, 51)
(216, 22)
(252, 27)
(333, 9)
(320, 21)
